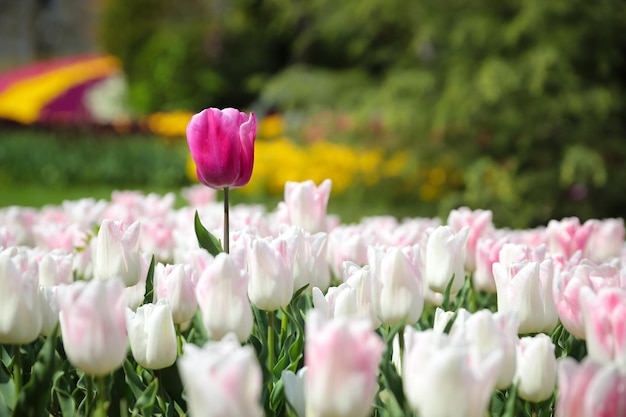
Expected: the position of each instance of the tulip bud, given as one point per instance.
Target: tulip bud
(20, 308)
(117, 252)
(536, 368)
(175, 283)
(342, 358)
(152, 335)
(222, 379)
(306, 204)
(222, 295)
(310, 266)
(221, 143)
(93, 325)
(568, 236)
(55, 267)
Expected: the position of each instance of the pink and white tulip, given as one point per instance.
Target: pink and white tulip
(480, 223)
(271, 278)
(305, 204)
(152, 335)
(443, 258)
(117, 253)
(177, 284)
(93, 325)
(222, 379)
(342, 358)
(222, 295)
(526, 289)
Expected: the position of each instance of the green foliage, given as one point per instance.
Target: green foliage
(57, 159)
(190, 55)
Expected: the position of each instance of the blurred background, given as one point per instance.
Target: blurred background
(411, 107)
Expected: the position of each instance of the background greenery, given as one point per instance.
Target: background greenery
(524, 99)
(511, 106)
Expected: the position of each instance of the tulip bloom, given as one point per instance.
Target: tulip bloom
(536, 368)
(222, 379)
(604, 318)
(271, 277)
(443, 258)
(152, 335)
(117, 252)
(222, 294)
(176, 284)
(588, 389)
(342, 358)
(397, 285)
(93, 325)
(480, 224)
(221, 143)
(526, 288)
(20, 308)
(445, 376)
(305, 204)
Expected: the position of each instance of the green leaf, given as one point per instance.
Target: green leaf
(34, 396)
(511, 400)
(148, 397)
(206, 239)
(277, 397)
(7, 390)
(150, 282)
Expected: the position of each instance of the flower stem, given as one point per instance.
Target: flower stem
(270, 341)
(17, 369)
(283, 327)
(101, 408)
(179, 339)
(226, 222)
(401, 343)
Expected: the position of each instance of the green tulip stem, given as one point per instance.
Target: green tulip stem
(179, 339)
(401, 344)
(283, 327)
(17, 370)
(101, 407)
(88, 392)
(226, 222)
(270, 341)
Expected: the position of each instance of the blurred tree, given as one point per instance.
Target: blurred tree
(190, 55)
(525, 99)
(503, 89)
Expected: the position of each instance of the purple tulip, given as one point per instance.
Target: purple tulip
(222, 146)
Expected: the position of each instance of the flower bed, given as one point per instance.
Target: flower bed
(129, 307)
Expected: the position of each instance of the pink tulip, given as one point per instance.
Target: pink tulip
(606, 239)
(93, 325)
(487, 253)
(305, 204)
(604, 316)
(568, 236)
(480, 224)
(222, 379)
(567, 286)
(222, 146)
(588, 389)
(342, 358)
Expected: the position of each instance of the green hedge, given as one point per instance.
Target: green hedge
(63, 158)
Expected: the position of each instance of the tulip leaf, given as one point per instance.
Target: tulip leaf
(7, 389)
(148, 397)
(34, 396)
(511, 401)
(447, 303)
(277, 396)
(150, 282)
(206, 239)
(391, 377)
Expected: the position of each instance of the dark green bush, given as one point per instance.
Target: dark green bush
(56, 158)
